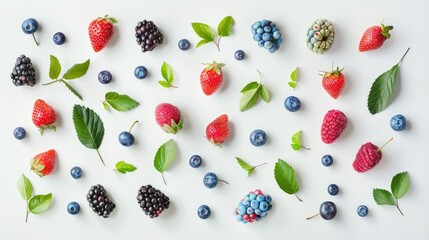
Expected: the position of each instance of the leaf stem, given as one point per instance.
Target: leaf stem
(217, 43)
(397, 206)
(296, 195)
(133, 125)
(260, 165)
(52, 82)
(220, 180)
(306, 148)
(163, 179)
(379, 149)
(99, 155)
(260, 76)
(404, 56)
(26, 215)
(35, 40)
(315, 215)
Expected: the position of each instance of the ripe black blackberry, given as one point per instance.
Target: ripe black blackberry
(148, 35)
(99, 201)
(152, 201)
(23, 73)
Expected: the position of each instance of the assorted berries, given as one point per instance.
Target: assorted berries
(258, 138)
(239, 55)
(218, 130)
(19, 133)
(327, 160)
(99, 202)
(76, 172)
(333, 82)
(73, 208)
(211, 77)
(184, 44)
(59, 38)
(292, 104)
(267, 35)
(30, 26)
(152, 201)
(253, 207)
(320, 36)
(204, 212)
(43, 116)
(374, 37)
(398, 122)
(195, 161)
(362, 210)
(126, 138)
(101, 31)
(333, 125)
(104, 77)
(148, 36)
(333, 189)
(368, 156)
(169, 117)
(23, 72)
(43, 163)
(140, 72)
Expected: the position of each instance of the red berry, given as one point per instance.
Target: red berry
(368, 156)
(211, 77)
(246, 217)
(333, 82)
(333, 125)
(101, 31)
(218, 130)
(253, 216)
(374, 37)
(43, 163)
(168, 117)
(43, 116)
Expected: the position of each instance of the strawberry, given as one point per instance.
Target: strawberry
(101, 31)
(218, 130)
(43, 116)
(168, 117)
(43, 163)
(368, 156)
(211, 77)
(374, 37)
(333, 82)
(333, 125)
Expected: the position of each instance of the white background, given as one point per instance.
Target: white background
(185, 188)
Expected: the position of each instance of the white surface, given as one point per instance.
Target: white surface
(185, 188)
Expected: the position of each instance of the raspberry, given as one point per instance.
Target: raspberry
(152, 201)
(367, 157)
(148, 35)
(23, 73)
(99, 201)
(333, 125)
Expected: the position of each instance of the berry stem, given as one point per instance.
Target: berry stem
(26, 215)
(260, 165)
(379, 149)
(133, 125)
(296, 195)
(397, 206)
(220, 180)
(99, 155)
(306, 148)
(163, 179)
(35, 40)
(404, 56)
(52, 82)
(313, 216)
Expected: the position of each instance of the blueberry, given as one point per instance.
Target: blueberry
(19, 133)
(252, 196)
(126, 139)
(268, 45)
(261, 43)
(268, 198)
(104, 77)
(73, 208)
(30, 26)
(333, 189)
(267, 29)
(276, 35)
(246, 203)
(292, 104)
(362, 210)
(266, 36)
(239, 55)
(250, 210)
(328, 210)
(59, 38)
(204, 212)
(257, 37)
(140, 72)
(327, 160)
(76, 172)
(254, 204)
(184, 44)
(263, 206)
(260, 198)
(258, 211)
(210, 180)
(241, 209)
(398, 122)
(256, 25)
(260, 30)
(258, 138)
(195, 161)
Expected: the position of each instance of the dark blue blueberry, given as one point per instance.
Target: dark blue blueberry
(239, 55)
(104, 77)
(362, 210)
(184, 44)
(258, 138)
(204, 212)
(30, 26)
(333, 189)
(398, 122)
(195, 161)
(327, 160)
(210, 180)
(73, 208)
(140, 72)
(263, 206)
(76, 172)
(292, 104)
(59, 38)
(126, 139)
(328, 210)
(19, 133)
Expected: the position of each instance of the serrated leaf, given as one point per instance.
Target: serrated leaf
(40, 203)
(383, 197)
(265, 95)
(164, 156)
(225, 26)
(76, 71)
(296, 147)
(285, 177)
(25, 187)
(54, 68)
(250, 86)
(248, 168)
(249, 99)
(296, 141)
(72, 90)
(203, 42)
(204, 31)
(124, 167)
(120, 102)
(400, 184)
(167, 72)
(164, 83)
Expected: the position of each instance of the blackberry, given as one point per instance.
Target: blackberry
(148, 35)
(23, 73)
(99, 201)
(152, 201)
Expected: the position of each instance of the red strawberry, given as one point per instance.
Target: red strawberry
(218, 130)
(211, 77)
(100, 32)
(43, 163)
(333, 125)
(333, 82)
(368, 156)
(374, 37)
(168, 117)
(43, 116)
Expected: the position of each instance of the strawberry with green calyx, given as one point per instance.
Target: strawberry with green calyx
(169, 117)
(43, 116)
(43, 163)
(211, 77)
(334, 81)
(218, 130)
(374, 37)
(101, 31)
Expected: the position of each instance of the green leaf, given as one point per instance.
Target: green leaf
(124, 167)
(203, 42)
(400, 184)
(25, 187)
(249, 169)
(120, 102)
(249, 99)
(294, 78)
(250, 86)
(167, 73)
(292, 85)
(225, 26)
(72, 90)
(383, 197)
(40, 203)
(265, 95)
(296, 141)
(164, 83)
(77, 70)
(164, 156)
(285, 177)
(105, 105)
(54, 68)
(204, 31)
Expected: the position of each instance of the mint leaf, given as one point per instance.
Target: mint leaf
(250, 86)
(400, 184)
(25, 187)
(54, 68)
(292, 85)
(265, 95)
(124, 167)
(248, 168)
(294, 78)
(76, 71)
(285, 177)
(120, 102)
(203, 42)
(164, 83)
(296, 142)
(39, 203)
(72, 90)
(164, 156)
(204, 31)
(225, 26)
(382, 89)
(167, 74)
(383, 197)
(89, 128)
(249, 99)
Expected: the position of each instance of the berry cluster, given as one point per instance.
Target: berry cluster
(99, 201)
(23, 73)
(152, 201)
(148, 35)
(253, 207)
(267, 35)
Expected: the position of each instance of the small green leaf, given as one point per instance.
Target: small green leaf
(25, 187)
(400, 184)
(249, 99)
(204, 31)
(296, 141)
(250, 86)
(294, 75)
(164, 156)
(113, 20)
(225, 26)
(54, 68)
(76, 93)
(105, 105)
(285, 177)
(120, 102)
(203, 42)
(249, 169)
(76, 71)
(265, 95)
(39, 203)
(292, 85)
(164, 83)
(167, 73)
(124, 167)
(383, 197)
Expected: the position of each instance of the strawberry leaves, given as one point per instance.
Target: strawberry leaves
(208, 35)
(248, 168)
(164, 156)
(293, 78)
(25, 187)
(167, 74)
(296, 142)
(124, 167)
(35, 204)
(251, 94)
(399, 187)
(119, 102)
(286, 179)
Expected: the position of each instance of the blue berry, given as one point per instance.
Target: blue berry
(292, 104)
(210, 180)
(254, 204)
(140, 72)
(264, 213)
(333, 189)
(195, 161)
(257, 37)
(239, 55)
(260, 198)
(328, 210)
(362, 210)
(256, 25)
(246, 203)
(184, 44)
(260, 30)
(268, 198)
(398, 122)
(204, 212)
(258, 138)
(266, 36)
(327, 160)
(250, 210)
(73, 208)
(19, 133)
(30, 26)
(104, 77)
(258, 211)
(252, 196)
(59, 38)
(76, 172)
(268, 45)
(276, 35)
(261, 43)
(241, 209)
(263, 206)
(267, 29)
(126, 139)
